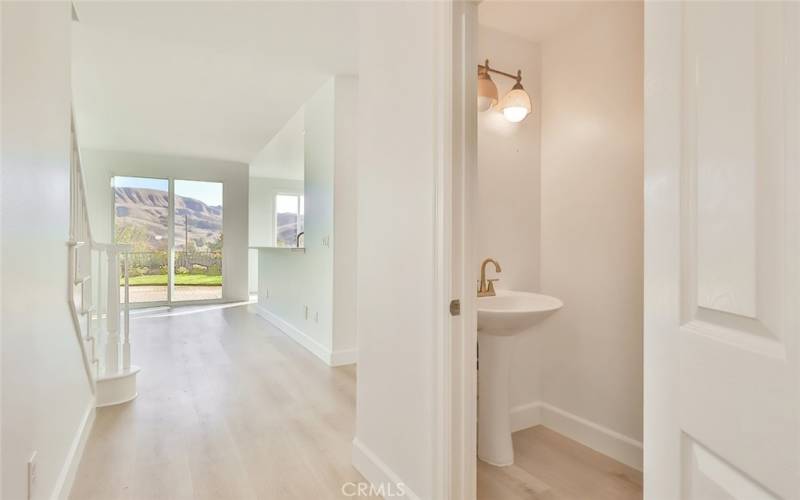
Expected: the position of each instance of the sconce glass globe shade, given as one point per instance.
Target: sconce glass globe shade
(515, 114)
(516, 105)
(487, 92)
(485, 103)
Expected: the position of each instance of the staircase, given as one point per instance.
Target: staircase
(101, 321)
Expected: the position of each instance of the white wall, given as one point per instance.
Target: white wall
(397, 146)
(509, 193)
(262, 216)
(283, 156)
(592, 222)
(291, 280)
(46, 396)
(345, 216)
(278, 168)
(100, 166)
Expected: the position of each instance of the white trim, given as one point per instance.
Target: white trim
(118, 388)
(526, 416)
(295, 333)
(444, 331)
(460, 459)
(171, 240)
(597, 437)
(343, 357)
(123, 374)
(377, 472)
(66, 478)
(182, 303)
(183, 309)
(454, 348)
(330, 358)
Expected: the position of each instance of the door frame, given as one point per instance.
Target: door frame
(170, 230)
(662, 201)
(455, 420)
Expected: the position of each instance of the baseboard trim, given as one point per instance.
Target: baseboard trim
(335, 358)
(344, 357)
(525, 416)
(70, 468)
(295, 334)
(608, 442)
(379, 474)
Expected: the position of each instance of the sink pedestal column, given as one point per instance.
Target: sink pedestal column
(494, 423)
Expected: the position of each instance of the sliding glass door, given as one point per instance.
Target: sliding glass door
(141, 219)
(175, 230)
(198, 241)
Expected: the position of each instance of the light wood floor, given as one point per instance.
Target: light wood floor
(229, 408)
(549, 466)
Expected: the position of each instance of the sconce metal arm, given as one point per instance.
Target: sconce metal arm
(486, 67)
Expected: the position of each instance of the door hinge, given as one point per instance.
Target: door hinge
(455, 307)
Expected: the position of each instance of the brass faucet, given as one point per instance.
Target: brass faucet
(486, 287)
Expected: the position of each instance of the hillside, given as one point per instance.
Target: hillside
(142, 214)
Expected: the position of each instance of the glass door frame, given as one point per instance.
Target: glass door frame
(170, 302)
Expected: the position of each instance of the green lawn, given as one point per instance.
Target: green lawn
(180, 279)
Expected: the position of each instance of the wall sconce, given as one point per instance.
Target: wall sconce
(516, 105)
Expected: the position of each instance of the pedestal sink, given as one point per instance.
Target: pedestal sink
(500, 319)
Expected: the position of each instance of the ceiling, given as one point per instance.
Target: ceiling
(534, 21)
(203, 79)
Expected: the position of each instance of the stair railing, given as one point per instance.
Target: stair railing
(94, 275)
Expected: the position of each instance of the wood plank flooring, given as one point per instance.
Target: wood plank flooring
(230, 408)
(549, 466)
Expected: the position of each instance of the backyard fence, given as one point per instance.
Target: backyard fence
(150, 263)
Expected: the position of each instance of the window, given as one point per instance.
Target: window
(289, 220)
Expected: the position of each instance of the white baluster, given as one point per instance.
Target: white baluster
(98, 290)
(112, 320)
(72, 198)
(126, 346)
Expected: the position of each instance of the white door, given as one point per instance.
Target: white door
(722, 250)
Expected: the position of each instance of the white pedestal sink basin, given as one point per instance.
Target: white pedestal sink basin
(500, 318)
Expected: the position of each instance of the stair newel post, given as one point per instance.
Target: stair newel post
(112, 320)
(126, 346)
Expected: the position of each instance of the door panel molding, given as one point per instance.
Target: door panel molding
(707, 476)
